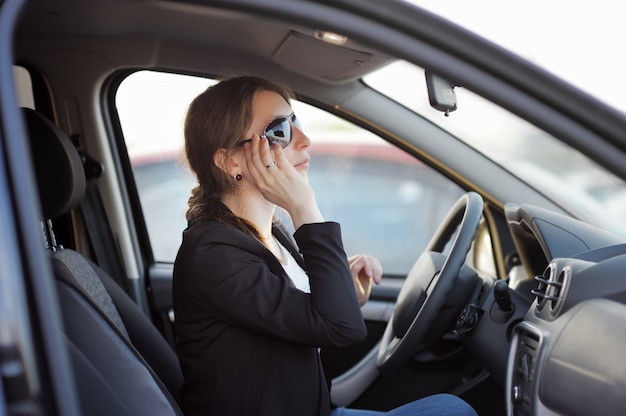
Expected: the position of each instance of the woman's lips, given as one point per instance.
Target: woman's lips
(303, 164)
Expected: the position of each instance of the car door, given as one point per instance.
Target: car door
(388, 202)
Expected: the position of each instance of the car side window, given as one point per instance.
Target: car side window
(388, 203)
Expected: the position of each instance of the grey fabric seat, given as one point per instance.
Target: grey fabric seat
(121, 362)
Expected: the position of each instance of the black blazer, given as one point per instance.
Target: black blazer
(247, 339)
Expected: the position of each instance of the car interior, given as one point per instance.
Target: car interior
(515, 302)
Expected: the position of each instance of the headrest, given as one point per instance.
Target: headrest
(58, 166)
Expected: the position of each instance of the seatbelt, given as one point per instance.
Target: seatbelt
(98, 229)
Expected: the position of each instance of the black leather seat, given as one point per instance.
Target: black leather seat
(121, 362)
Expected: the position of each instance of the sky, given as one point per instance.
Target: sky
(580, 41)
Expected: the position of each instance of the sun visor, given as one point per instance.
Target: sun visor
(318, 59)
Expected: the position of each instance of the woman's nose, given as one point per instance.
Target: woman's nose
(300, 139)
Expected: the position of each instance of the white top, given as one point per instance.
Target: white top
(296, 273)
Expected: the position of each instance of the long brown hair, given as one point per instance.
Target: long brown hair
(217, 119)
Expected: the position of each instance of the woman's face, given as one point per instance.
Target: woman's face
(268, 106)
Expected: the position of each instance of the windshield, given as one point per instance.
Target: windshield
(568, 177)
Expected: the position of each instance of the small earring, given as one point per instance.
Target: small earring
(238, 177)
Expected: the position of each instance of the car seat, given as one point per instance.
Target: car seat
(121, 363)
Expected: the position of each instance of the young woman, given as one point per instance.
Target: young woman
(253, 305)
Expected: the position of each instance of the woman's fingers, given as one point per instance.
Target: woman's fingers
(266, 154)
(253, 152)
(368, 266)
(270, 170)
(365, 270)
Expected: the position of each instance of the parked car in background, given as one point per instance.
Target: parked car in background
(492, 190)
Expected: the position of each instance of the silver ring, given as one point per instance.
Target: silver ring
(270, 165)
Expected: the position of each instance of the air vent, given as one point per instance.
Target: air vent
(558, 290)
(541, 293)
(549, 290)
(523, 371)
(529, 340)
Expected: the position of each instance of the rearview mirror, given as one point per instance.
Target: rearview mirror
(440, 93)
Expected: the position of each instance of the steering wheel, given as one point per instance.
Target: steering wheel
(436, 290)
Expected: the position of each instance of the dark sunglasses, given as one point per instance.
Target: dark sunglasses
(278, 131)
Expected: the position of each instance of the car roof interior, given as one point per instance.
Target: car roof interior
(148, 34)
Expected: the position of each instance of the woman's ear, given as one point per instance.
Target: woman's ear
(226, 161)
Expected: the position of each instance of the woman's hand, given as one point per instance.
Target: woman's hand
(365, 270)
(279, 182)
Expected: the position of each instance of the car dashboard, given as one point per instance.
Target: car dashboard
(566, 352)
